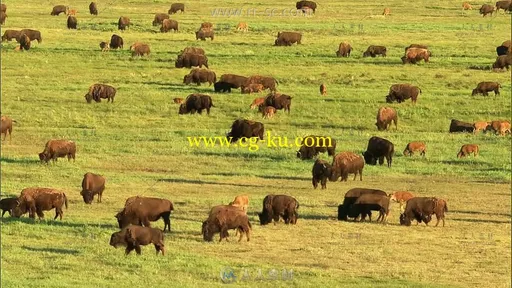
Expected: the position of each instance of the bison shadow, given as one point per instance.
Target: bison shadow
(225, 174)
(314, 216)
(52, 250)
(20, 161)
(201, 182)
(481, 221)
(477, 67)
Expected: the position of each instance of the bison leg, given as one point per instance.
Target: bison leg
(129, 248)
(388, 160)
(137, 248)
(145, 222)
(3, 212)
(248, 233)
(381, 160)
(167, 221)
(324, 183)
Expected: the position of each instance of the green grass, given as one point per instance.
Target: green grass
(139, 143)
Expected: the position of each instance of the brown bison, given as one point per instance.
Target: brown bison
(3, 7)
(159, 18)
(241, 201)
(498, 126)
(58, 149)
(169, 24)
(257, 102)
(252, 88)
(123, 23)
(100, 91)
(345, 163)
(178, 100)
(267, 82)
(275, 206)
(135, 236)
(344, 50)
(140, 210)
(503, 61)
(279, 101)
(480, 126)
(192, 50)
(414, 147)
(189, 60)
(487, 9)
(323, 89)
(199, 75)
(202, 34)
(401, 197)
(3, 16)
(440, 208)
(223, 87)
(310, 4)
(504, 5)
(379, 148)
(175, 7)
(386, 12)
(416, 46)
(196, 102)
(466, 6)
(467, 149)
(116, 41)
(59, 9)
(24, 42)
(104, 46)
(92, 184)
(460, 126)
(344, 210)
(421, 209)
(385, 116)
(414, 55)
(504, 127)
(223, 218)
(288, 38)
(140, 49)
(245, 129)
(10, 34)
(374, 50)
(242, 26)
(71, 12)
(93, 9)
(8, 205)
(268, 112)
(484, 87)
(71, 24)
(402, 92)
(32, 34)
(6, 126)
(370, 202)
(320, 173)
(312, 145)
(35, 200)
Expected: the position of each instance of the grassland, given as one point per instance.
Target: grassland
(139, 143)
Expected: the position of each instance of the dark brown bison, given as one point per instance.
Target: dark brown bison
(3, 16)
(484, 87)
(92, 184)
(6, 126)
(140, 210)
(100, 91)
(487, 9)
(460, 126)
(288, 38)
(11, 34)
(199, 75)
(202, 34)
(301, 4)
(35, 200)
(175, 7)
(93, 9)
(135, 236)
(421, 209)
(320, 173)
(72, 22)
(345, 163)
(116, 41)
(159, 18)
(413, 147)
(196, 102)
(8, 205)
(123, 23)
(223, 87)
(223, 218)
(59, 9)
(312, 145)
(267, 82)
(56, 149)
(414, 55)
(344, 50)
(275, 206)
(245, 129)
(279, 101)
(504, 5)
(370, 202)
(140, 49)
(385, 116)
(350, 198)
(467, 149)
(379, 148)
(235, 80)
(169, 24)
(32, 34)
(374, 50)
(402, 92)
(24, 42)
(503, 61)
(189, 60)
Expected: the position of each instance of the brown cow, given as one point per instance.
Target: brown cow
(467, 149)
(138, 235)
(268, 112)
(92, 184)
(242, 202)
(100, 91)
(6, 126)
(159, 18)
(253, 88)
(59, 9)
(413, 147)
(321, 172)
(242, 26)
(35, 200)
(323, 89)
(169, 24)
(401, 197)
(344, 49)
(58, 148)
(345, 163)
(487, 9)
(386, 12)
(481, 126)
(175, 7)
(200, 75)
(257, 102)
(486, 86)
(93, 9)
(178, 100)
(8, 205)
(140, 210)
(223, 218)
(385, 116)
(140, 49)
(10, 34)
(466, 6)
(123, 23)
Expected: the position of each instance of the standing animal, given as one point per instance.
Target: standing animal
(344, 209)
(275, 206)
(123, 23)
(440, 208)
(202, 34)
(199, 75)
(242, 202)
(24, 42)
(413, 147)
(504, 127)
(71, 12)
(169, 24)
(56, 149)
(279, 101)
(3, 16)
(320, 173)
(242, 26)
(499, 126)
(8, 205)
(257, 102)
(267, 82)
(59, 9)
(93, 9)
(288, 38)
(503, 61)
(484, 87)
(374, 50)
(92, 184)
(460, 126)
(386, 12)
(192, 50)
(480, 126)
(223, 87)
(385, 116)
(312, 145)
(175, 7)
(379, 148)
(467, 149)
(371, 202)
(159, 18)
(487, 9)
(116, 41)
(189, 60)
(402, 92)
(345, 163)
(72, 22)
(32, 34)
(236, 80)
(140, 210)
(252, 88)
(140, 49)
(401, 197)
(104, 46)
(137, 235)
(3, 8)
(196, 102)
(245, 129)
(323, 89)
(421, 209)
(35, 200)
(6, 126)
(310, 4)
(344, 49)
(223, 218)
(10, 34)
(504, 5)
(414, 55)
(466, 6)
(268, 112)
(100, 91)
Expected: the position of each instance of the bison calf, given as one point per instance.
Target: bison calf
(413, 147)
(484, 87)
(321, 172)
(138, 235)
(467, 149)
(8, 204)
(401, 197)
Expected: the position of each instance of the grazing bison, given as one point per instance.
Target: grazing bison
(71, 24)
(8, 205)
(104, 46)
(196, 102)
(93, 9)
(413, 147)
(56, 149)
(178, 100)
(379, 148)
(504, 5)
(323, 89)
(32, 34)
(401, 197)
(10, 34)
(402, 92)
(440, 208)
(253, 88)
(175, 7)
(487, 9)
(385, 116)
(222, 86)
(223, 218)
(321, 172)
(484, 87)
(245, 129)
(312, 145)
(386, 12)
(267, 82)
(268, 112)
(467, 149)
(92, 184)
(6, 126)
(460, 126)
(242, 26)
(288, 38)
(140, 49)
(420, 209)
(135, 236)
(504, 127)
(480, 126)
(370, 202)
(345, 163)
(189, 60)
(350, 198)
(310, 4)
(98, 91)
(35, 200)
(503, 61)
(241, 201)
(169, 24)
(503, 50)
(59, 9)
(202, 34)
(275, 206)
(496, 125)
(24, 42)
(257, 102)
(123, 23)
(116, 41)
(199, 75)
(159, 18)
(374, 50)
(279, 101)
(3, 16)
(414, 55)
(140, 210)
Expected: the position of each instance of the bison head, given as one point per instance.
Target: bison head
(366, 54)
(342, 213)
(369, 158)
(183, 109)
(178, 63)
(187, 79)
(117, 239)
(404, 220)
(390, 99)
(264, 217)
(475, 91)
(207, 232)
(124, 219)
(88, 196)
(43, 156)
(380, 126)
(88, 98)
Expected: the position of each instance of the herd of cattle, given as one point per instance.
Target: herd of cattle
(135, 217)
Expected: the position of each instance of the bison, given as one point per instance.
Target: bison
(104, 46)
(241, 201)
(116, 41)
(480, 126)
(323, 89)
(56, 149)
(245, 129)
(268, 112)
(24, 42)
(222, 86)
(416, 46)
(198, 76)
(123, 23)
(138, 235)
(484, 87)
(467, 149)
(3, 16)
(92, 184)
(175, 7)
(385, 116)
(32, 34)
(401, 197)
(59, 9)
(35, 200)
(344, 210)
(192, 50)
(196, 102)
(71, 24)
(267, 82)
(140, 210)
(279, 101)
(10, 34)
(3, 8)
(140, 49)
(504, 5)
(466, 6)
(252, 88)
(8, 205)
(414, 55)
(503, 61)
(374, 50)
(370, 202)
(242, 26)
(206, 26)
(189, 60)
(6, 126)
(421, 209)
(202, 34)
(236, 80)
(312, 145)
(169, 24)
(275, 206)
(413, 147)
(159, 18)
(379, 148)
(93, 9)
(320, 173)
(460, 126)
(301, 4)
(402, 92)
(288, 38)
(503, 50)
(487, 9)
(257, 102)
(223, 218)
(345, 163)
(100, 91)
(178, 100)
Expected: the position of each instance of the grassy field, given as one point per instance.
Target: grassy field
(140, 145)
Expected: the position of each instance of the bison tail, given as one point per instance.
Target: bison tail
(212, 104)
(420, 90)
(65, 200)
